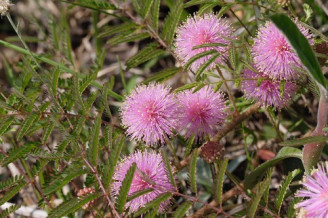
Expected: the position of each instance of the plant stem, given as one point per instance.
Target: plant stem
(312, 151)
(95, 172)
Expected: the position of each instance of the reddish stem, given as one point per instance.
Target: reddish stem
(312, 151)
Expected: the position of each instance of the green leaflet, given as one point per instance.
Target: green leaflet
(5, 213)
(26, 125)
(283, 190)
(71, 205)
(108, 31)
(47, 155)
(92, 4)
(127, 38)
(206, 65)
(138, 194)
(9, 194)
(163, 75)
(261, 187)
(187, 86)
(149, 52)
(17, 153)
(303, 141)
(154, 14)
(152, 204)
(65, 177)
(142, 7)
(222, 167)
(47, 131)
(113, 159)
(182, 209)
(6, 124)
(171, 21)
(94, 141)
(125, 188)
(86, 81)
(12, 181)
(198, 56)
(55, 78)
(168, 167)
(192, 171)
(257, 174)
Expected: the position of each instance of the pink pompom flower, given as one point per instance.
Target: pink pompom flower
(273, 54)
(150, 113)
(199, 30)
(201, 112)
(261, 88)
(315, 192)
(151, 164)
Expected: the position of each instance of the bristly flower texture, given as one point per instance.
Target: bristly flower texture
(261, 88)
(4, 7)
(151, 164)
(199, 30)
(150, 113)
(201, 112)
(273, 54)
(315, 192)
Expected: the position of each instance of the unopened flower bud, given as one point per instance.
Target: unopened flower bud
(211, 151)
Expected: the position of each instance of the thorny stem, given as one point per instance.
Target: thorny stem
(228, 91)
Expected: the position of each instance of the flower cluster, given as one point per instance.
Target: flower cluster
(202, 30)
(150, 173)
(316, 193)
(276, 67)
(151, 113)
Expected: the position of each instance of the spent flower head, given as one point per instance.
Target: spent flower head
(151, 173)
(4, 7)
(149, 113)
(201, 112)
(261, 88)
(273, 54)
(315, 192)
(200, 30)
